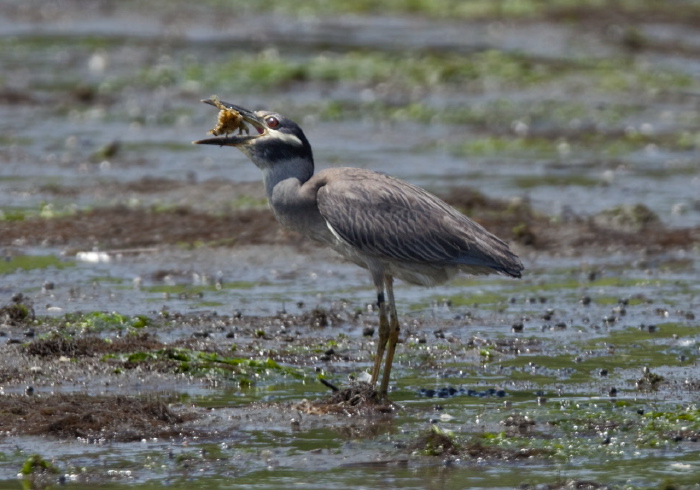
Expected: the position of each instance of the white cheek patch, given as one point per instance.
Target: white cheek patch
(285, 137)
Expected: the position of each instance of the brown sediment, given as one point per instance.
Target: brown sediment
(359, 398)
(73, 415)
(435, 442)
(56, 346)
(120, 227)
(124, 227)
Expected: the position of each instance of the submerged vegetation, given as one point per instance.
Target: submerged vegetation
(573, 393)
(567, 10)
(579, 116)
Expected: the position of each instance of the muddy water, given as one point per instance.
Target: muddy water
(97, 110)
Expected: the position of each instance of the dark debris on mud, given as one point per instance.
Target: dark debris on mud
(57, 345)
(358, 399)
(19, 312)
(476, 450)
(635, 227)
(116, 418)
(568, 485)
(123, 227)
(436, 442)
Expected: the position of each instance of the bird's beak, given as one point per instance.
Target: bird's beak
(237, 139)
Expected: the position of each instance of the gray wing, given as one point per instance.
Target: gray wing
(388, 218)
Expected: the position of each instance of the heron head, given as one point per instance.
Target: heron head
(274, 137)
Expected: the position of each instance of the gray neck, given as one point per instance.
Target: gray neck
(300, 169)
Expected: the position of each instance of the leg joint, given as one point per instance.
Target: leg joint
(380, 299)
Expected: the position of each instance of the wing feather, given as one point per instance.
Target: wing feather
(391, 219)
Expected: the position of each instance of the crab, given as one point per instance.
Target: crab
(229, 120)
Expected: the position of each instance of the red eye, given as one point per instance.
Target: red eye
(272, 122)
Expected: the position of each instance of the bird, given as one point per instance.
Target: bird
(390, 227)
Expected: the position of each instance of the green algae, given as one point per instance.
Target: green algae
(9, 140)
(98, 321)
(244, 371)
(474, 10)
(614, 350)
(268, 70)
(37, 464)
(576, 424)
(437, 442)
(46, 210)
(15, 263)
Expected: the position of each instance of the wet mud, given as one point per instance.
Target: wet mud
(71, 378)
(158, 327)
(634, 228)
(79, 416)
(357, 400)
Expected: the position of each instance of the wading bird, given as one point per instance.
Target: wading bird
(390, 227)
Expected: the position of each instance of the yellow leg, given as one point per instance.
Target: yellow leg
(384, 330)
(393, 337)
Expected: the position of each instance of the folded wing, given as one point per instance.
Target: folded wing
(391, 219)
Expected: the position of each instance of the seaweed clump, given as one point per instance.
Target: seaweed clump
(114, 418)
(359, 398)
(436, 442)
(18, 313)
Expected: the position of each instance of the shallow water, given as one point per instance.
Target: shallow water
(574, 143)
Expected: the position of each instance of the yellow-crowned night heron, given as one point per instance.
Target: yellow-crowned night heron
(390, 227)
